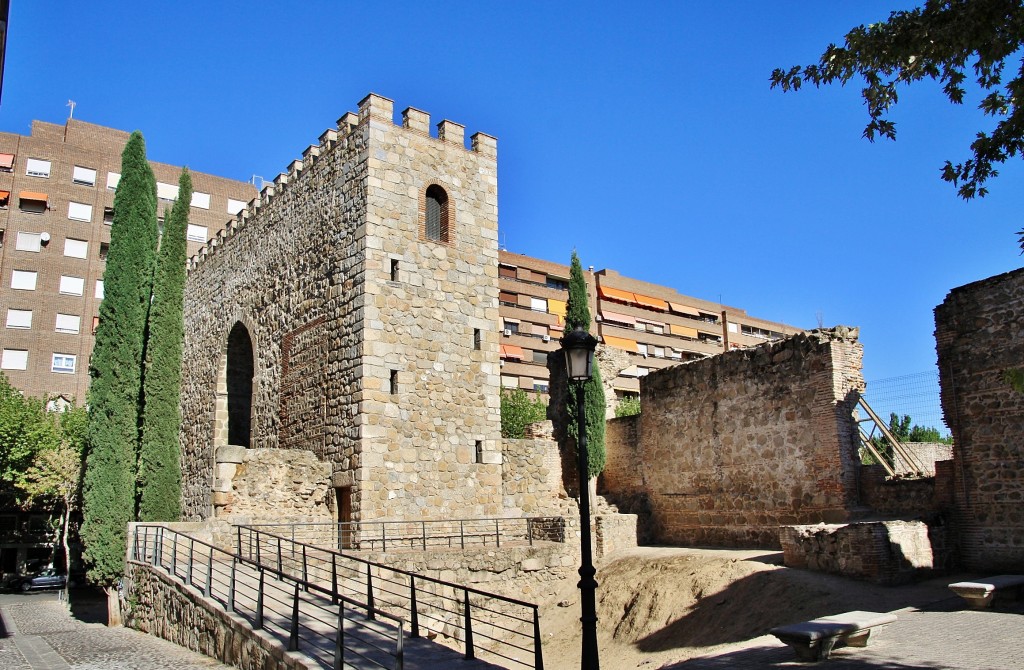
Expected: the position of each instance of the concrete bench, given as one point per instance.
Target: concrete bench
(980, 594)
(814, 640)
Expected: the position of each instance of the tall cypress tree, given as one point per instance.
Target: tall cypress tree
(116, 371)
(577, 313)
(159, 458)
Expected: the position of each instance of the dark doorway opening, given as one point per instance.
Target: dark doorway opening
(239, 383)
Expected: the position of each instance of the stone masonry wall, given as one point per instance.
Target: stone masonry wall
(373, 346)
(733, 446)
(531, 477)
(268, 485)
(979, 334)
(622, 452)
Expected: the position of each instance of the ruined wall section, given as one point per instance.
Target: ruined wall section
(979, 333)
(291, 262)
(431, 438)
(733, 446)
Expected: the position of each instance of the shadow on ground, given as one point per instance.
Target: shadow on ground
(763, 657)
(89, 604)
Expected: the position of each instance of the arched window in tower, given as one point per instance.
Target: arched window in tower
(239, 375)
(436, 223)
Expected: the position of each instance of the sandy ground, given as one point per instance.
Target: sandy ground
(658, 606)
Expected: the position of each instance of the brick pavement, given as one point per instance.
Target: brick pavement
(941, 635)
(42, 635)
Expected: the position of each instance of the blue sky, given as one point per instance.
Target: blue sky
(643, 135)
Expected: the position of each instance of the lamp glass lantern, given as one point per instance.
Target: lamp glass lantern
(579, 348)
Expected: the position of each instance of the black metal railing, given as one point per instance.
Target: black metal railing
(477, 622)
(422, 535)
(330, 627)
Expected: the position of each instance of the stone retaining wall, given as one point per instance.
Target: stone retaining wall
(897, 497)
(979, 334)
(731, 447)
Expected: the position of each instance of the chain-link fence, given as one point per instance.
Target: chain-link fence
(914, 395)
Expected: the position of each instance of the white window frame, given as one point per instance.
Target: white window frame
(235, 206)
(83, 176)
(539, 304)
(37, 167)
(74, 248)
(19, 318)
(113, 179)
(14, 359)
(68, 323)
(79, 211)
(32, 242)
(166, 191)
(20, 280)
(68, 284)
(64, 369)
(200, 200)
(98, 290)
(196, 233)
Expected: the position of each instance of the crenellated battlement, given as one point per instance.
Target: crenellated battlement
(373, 108)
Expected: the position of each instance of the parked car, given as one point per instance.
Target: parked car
(44, 579)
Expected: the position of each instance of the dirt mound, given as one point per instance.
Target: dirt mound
(657, 606)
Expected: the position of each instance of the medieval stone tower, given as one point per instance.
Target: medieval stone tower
(348, 311)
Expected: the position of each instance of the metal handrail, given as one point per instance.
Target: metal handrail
(319, 621)
(482, 621)
(423, 534)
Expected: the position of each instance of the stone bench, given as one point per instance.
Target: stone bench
(980, 594)
(814, 640)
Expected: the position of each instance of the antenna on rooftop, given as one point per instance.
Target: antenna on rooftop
(71, 104)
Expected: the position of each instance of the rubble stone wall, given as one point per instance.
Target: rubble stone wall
(979, 334)
(735, 445)
(531, 477)
(622, 452)
(897, 497)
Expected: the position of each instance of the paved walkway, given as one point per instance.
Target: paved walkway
(941, 635)
(38, 633)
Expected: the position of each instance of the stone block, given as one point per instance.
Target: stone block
(230, 453)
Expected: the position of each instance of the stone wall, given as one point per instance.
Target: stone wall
(884, 552)
(923, 453)
(979, 333)
(897, 497)
(268, 485)
(622, 451)
(730, 447)
(155, 604)
(531, 477)
(373, 346)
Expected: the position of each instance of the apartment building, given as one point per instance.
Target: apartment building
(656, 325)
(56, 206)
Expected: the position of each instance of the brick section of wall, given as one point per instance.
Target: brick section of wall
(979, 333)
(884, 552)
(621, 477)
(733, 446)
(897, 497)
(531, 477)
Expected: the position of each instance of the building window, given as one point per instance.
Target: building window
(540, 357)
(166, 191)
(6, 162)
(479, 451)
(113, 179)
(37, 168)
(71, 285)
(76, 248)
(196, 233)
(64, 363)
(14, 359)
(99, 289)
(68, 323)
(476, 339)
(200, 200)
(28, 242)
(78, 211)
(84, 176)
(394, 269)
(507, 271)
(19, 318)
(95, 324)
(511, 327)
(235, 206)
(23, 280)
(104, 250)
(555, 282)
(393, 382)
(31, 202)
(539, 304)
(5, 199)
(540, 387)
(436, 225)
(108, 215)
(509, 381)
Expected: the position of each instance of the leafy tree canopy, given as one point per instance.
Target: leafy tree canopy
(939, 41)
(26, 429)
(518, 410)
(628, 406)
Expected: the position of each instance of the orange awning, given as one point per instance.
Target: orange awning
(684, 331)
(683, 309)
(6, 161)
(617, 318)
(511, 351)
(647, 301)
(615, 294)
(32, 195)
(620, 343)
(4, 195)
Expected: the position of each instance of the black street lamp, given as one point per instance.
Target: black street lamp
(579, 348)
